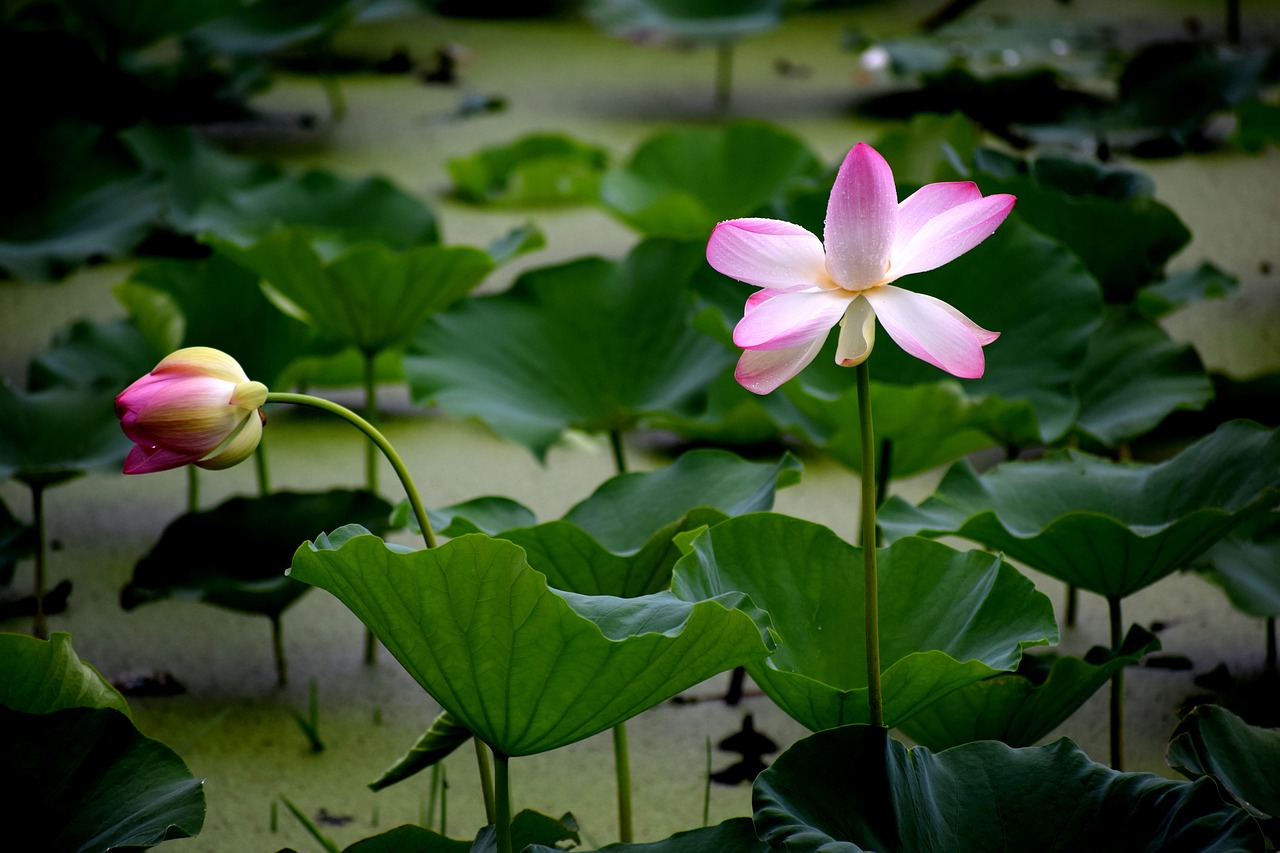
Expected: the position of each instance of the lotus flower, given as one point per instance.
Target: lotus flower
(872, 240)
(196, 407)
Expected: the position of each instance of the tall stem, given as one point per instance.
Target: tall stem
(1117, 688)
(277, 647)
(193, 488)
(406, 482)
(40, 628)
(260, 466)
(724, 75)
(622, 767)
(370, 475)
(486, 780)
(503, 787)
(871, 588)
(621, 757)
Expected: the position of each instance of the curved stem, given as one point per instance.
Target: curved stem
(503, 823)
(867, 539)
(411, 491)
(486, 780)
(40, 628)
(1117, 688)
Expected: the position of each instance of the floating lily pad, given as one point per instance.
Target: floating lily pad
(1021, 708)
(1242, 759)
(368, 296)
(43, 676)
(594, 344)
(1133, 377)
(947, 618)
(680, 183)
(981, 797)
(538, 169)
(1112, 528)
(524, 667)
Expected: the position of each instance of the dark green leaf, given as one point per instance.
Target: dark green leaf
(538, 169)
(1133, 377)
(594, 344)
(930, 148)
(1212, 741)
(1017, 710)
(681, 22)
(103, 356)
(525, 667)
(1180, 289)
(735, 835)
(437, 743)
(946, 618)
(91, 781)
(854, 788)
(1112, 528)
(1246, 564)
(409, 838)
(43, 676)
(680, 183)
(17, 540)
(235, 555)
(50, 436)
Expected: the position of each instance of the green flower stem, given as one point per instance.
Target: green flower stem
(277, 648)
(370, 474)
(260, 465)
(1117, 688)
(622, 768)
(871, 588)
(40, 628)
(486, 782)
(621, 757)
(503, 787)
(411, 491)
(193, 488)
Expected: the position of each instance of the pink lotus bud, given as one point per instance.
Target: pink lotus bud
(196, 407)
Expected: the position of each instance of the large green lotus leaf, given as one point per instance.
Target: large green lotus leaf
(1242, 759)
(594, 344)
(947, 618)
(537, 169)
(106, 356)
(930, 148)
(91, 781)
(1124, 241)
(927, 425)
(1025, 286)
(194, 171)
(235, 554)
(345, 211)
(618, 541)
(680, 183)
(369, 296)
(735, 835)
(1133, 376)
(78, 196)
(1109, 527)
(854, 789)
(524, 667)
(1246, 564)
(53, 435)
(43, 676)
(442, 737)
(681, 22)
(215, 303)
(1021, 708)
(263, 28)
(128, 25)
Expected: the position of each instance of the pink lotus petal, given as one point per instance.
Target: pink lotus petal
(861, 217)
(931, 330)
(790, 319)
(927, 202)
(761, 371)
(950, 234)
(147, 459)
(767, 253)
